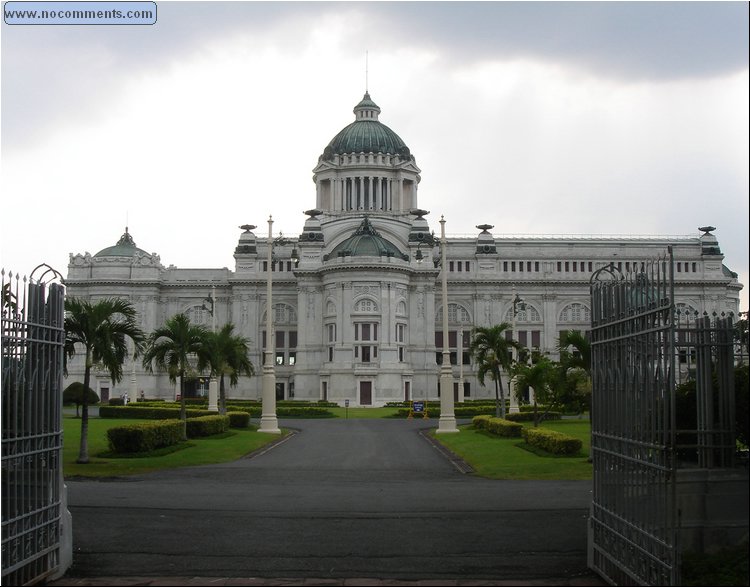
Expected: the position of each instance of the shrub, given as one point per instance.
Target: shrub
(116, 401)
(144, 436)
(529, 416)
(481, 421)
(552, 441)
(148, 413)
(505, 428)
(239, 419)
(73, 394)
(206, 426)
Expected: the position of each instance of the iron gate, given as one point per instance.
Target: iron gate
(33, 506)
(633, 514)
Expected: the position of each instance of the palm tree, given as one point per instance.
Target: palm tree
(226, 354)
(580, 357)
(102, 329)
(575, 363)
(539, 375)
(170, 348)
(492, 352)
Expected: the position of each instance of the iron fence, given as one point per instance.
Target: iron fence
(633, 518)
(33, 340)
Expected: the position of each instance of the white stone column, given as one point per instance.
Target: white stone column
(268, 421)
(447, 422)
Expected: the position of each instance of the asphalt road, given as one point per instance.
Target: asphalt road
(340, 498)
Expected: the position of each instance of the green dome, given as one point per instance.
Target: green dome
(366, 134)
(125, 247)
(365, 242)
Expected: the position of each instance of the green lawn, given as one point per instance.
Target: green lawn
(363, 412)
(504, 458)
(202, 451)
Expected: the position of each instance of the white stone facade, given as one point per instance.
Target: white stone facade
(356, 318)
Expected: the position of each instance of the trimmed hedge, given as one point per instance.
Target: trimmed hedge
(149, 413)
(481, 421)
(505, 428)
(552, 441)
(239, 419)
(529, 416)
(206, 426)
(144, 436)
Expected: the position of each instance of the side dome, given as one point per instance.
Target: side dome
(125, 247)
(366, 134)
(366, 242)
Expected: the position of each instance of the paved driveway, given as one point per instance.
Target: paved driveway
(340, 498)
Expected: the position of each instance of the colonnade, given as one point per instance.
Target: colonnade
(374, 193)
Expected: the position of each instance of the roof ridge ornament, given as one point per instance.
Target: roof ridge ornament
(126, 239)
(366, 228)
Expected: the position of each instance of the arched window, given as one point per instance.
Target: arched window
(283, 314)
(401, 309)
(575, 313)
(330, 309)
(365, 305)
(529, 314)
(198, 315)
(457, 314)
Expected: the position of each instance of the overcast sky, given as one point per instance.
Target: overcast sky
(543, 118)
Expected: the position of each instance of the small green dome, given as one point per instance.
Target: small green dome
(366, 134)
(366, 242)
(125, 247)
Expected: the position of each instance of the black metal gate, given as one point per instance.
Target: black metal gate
(645, 435)
(33, 507)
(633, 514)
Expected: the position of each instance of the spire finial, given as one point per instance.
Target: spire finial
(367, 71)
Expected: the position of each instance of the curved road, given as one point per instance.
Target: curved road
(340, 498)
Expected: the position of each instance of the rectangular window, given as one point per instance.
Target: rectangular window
(567, 267)
(591, 266)
(280, 335)
(292, 339)
(522, 337)
(288, 265)
(512, 265)
(679, 267)
(627, 265)
(535, 339)
(365, 332)
(695, 265)
(365, 354)
(559, 266)
(528, 266)
(450, 265)
(505, 266)
(265, 265)
(467, 266)
(280, 357)
(452, 339)
(520, 266)
(454, 358)
(331, 333)
(263, 339)
(281, 265)
(439, 339)
(330, 354)
(536, 266)
(356, 351)
(467, 389)
(401, 354)
(292, 358)
(575, 266)
(466, 358)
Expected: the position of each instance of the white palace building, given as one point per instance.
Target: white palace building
(357, 304)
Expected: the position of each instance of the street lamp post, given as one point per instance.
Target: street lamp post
(518, 305)
(213, 385)
(447, 422)
(268, 421)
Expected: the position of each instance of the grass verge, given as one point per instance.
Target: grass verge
(495, 457)
(198, 451)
